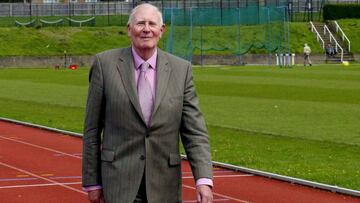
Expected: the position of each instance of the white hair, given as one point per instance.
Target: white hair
(145, 5)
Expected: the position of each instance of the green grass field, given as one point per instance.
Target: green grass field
(216, 40)
(52, 41)
(300, 122)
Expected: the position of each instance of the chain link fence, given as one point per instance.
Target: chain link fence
(116, 12)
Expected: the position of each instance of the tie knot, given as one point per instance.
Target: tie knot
(144, 67)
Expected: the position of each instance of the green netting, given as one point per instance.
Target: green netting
(89, 22)
(26, 24)
(58, 22)
(230, 31)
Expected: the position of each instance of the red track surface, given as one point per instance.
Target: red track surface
(41, 166)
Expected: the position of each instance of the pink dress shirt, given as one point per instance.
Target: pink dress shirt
(151, 76)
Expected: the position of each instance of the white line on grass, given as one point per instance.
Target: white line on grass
(46, 179)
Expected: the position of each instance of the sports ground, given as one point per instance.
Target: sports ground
(298, 122)
(293, 123)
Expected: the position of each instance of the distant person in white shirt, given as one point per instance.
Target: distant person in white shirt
(307, 52)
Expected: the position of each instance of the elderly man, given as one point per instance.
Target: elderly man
(140, 100)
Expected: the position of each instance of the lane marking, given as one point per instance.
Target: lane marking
(75, 154)
(215, 171)
(38, 185)
(41, 147)
(218, 194)
(223, 176)
(47, 174)
(15, 138)
(46, 179)
(24, 179)
(214, 200)
(16, 179)
(22, 176)
(65, 177)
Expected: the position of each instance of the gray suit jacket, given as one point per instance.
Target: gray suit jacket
(118, 147)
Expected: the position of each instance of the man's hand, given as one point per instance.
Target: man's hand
(96, 196)
(204, 194)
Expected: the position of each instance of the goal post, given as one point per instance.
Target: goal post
(230, 32)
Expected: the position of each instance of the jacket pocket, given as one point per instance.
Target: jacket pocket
(107, 155)
(174, 160)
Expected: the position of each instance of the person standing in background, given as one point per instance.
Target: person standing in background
(307, 52)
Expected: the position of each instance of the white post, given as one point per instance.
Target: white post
(286, 59)
(292, 59)
(277, 59)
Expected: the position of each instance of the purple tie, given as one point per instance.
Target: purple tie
(145, 93)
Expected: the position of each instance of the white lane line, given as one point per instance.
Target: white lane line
(41, 147)
(65, 177)
(224, 176)
(16, 179)
(214, 200)
(46, 179)
(220, 195)
(26, 179)
(38, 185)
(214, 171)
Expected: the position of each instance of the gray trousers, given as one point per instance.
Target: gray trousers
(307, 59)
(141, 195)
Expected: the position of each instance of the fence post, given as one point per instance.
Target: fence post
(108, 12)
(221, 12)
(10, 10)
(30, 10)
(121, 9)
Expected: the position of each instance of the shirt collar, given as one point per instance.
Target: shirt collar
(138, 60)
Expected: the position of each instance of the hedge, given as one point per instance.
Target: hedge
(338, 11)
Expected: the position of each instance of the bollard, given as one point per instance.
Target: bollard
(292, 59)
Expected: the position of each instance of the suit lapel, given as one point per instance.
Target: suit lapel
(162, 78)
(126, 69)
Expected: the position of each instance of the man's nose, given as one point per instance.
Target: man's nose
(146, 27)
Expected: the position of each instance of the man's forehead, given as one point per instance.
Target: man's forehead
(145, 18)
(145, 12)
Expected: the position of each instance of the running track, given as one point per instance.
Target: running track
(42, 166)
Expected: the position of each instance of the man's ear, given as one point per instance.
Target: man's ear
(162, 30)
(128, 30)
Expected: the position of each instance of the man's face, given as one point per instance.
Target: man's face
(145, 30)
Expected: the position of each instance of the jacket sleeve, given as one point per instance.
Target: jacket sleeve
(93, 127)
(193, 132)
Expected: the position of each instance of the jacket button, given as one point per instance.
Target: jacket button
(142, 157)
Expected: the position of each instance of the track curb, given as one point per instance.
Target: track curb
(292, 180)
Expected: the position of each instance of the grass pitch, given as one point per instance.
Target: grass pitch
(300, 122)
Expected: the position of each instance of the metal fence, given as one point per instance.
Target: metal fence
(124, 8)
(70, 9)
